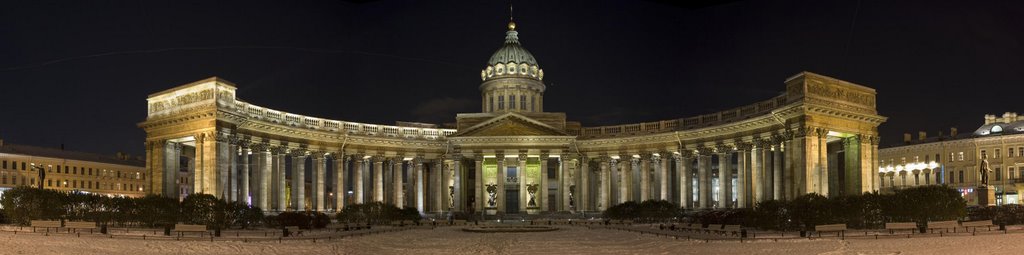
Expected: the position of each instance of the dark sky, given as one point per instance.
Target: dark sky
(78, 72)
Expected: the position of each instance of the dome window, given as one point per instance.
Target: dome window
(511, 68)
(499, 69)
(523, 68)
(997, 129)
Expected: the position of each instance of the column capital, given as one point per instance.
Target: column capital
(317, 154)
(646, 156)
(821, 132)
(875, 139)
(544, 156)
(297, 152)
(723, 148)
(378, 159)
(705, 151)
(743, 146)
(522, 157)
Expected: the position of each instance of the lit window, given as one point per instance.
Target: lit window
(961, 158)
(997, 129)
(951, 157)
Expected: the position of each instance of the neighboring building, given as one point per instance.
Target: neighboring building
(818, 136)
(71, 171)
(954, 159)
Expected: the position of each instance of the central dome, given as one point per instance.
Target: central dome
(512, 60)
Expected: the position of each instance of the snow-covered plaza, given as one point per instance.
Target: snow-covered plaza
(567, 240)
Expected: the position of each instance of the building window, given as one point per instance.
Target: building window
(533, 103)
(23, 166)
(5, 164)
(937, 158)
(522, 102)
(501, 103)
(1020, 151)
(917, 179)
(951, 157)
(984, 154)
(49, 183)
(903, 160)
(996, 155)
(961, 158)
(999, 174)
(1009, 171)
(903, 180)
(511, 102)
(1009, 153)
(917, 159)
(961, 176)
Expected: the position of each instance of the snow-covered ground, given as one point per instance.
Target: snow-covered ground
(568, 240)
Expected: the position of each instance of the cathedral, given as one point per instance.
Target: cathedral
(514, 156)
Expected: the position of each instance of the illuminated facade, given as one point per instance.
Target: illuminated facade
(71, 171)
(513, 156)
(954, 160)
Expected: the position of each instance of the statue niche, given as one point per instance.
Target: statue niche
(492, 195)
(531, 190)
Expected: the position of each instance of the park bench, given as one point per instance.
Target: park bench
(897, 226)
(356, 226)
(294, 230)
(975, 224)
(840, 229)
(711, 228)
(45, 224)
(949, 224)
(732, 230)
(76, 225)
(181, 228)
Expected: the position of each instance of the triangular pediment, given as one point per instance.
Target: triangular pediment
(511, 124)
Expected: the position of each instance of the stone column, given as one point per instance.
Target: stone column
(756, 161)
(625, 172)
(399, 191)
(565, 178)
(172, 155)
(279, 178)
(521, 176)
(340, 165)
(458, 199)
(724, 177)
(244, 176)
(777, 171)
(767, 187)
(420, 180)
(583, 202)
(663, 171)
(232, 171)
(788, 170)
(742, 175)
(266, 171)
(876, 181)
(542, 194)
(378, 179)
(823, 161)
(440, 188)
(216, 160)
(319, 174)
(478, 184)
(683, 163)
(299, 180)
(703, 175)
(645, 177)
(500, 196)
(606, 185)
(357, 179)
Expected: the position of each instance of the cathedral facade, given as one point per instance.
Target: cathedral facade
(514, 157)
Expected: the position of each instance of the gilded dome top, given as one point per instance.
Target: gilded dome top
(512, 51)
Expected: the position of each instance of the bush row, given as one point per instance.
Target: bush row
(377, 213)
(23, 204)
(869, 210)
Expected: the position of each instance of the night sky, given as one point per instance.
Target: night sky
(78, 72)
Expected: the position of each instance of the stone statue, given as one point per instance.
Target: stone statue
(984, 171)
(451, 196)
(531, 189)
(572, 200)
(492, 195)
